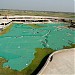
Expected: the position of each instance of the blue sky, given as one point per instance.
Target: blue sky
(40, 5)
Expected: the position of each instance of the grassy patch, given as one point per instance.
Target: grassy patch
(35, 25)
(39, 55)
(68, 47)
(33, 68)
(37, 13)
(6, 30)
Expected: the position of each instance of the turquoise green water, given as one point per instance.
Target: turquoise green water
(18, 45)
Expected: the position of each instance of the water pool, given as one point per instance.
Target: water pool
(18, 45)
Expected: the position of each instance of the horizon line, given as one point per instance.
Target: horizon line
(36, 10)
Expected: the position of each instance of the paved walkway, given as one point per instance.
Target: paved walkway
(62, 63)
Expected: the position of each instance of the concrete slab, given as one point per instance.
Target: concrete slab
(63, 63)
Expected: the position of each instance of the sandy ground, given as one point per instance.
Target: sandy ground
(63, 63)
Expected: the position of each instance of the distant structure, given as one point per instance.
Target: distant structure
(6, 20)
(72, 24)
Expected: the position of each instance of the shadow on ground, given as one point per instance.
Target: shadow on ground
(40, 65)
